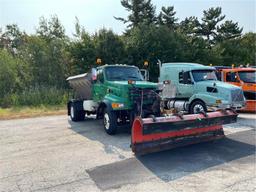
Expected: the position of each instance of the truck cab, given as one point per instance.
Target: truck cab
(244, 78)
(114, 82)
(198, 87)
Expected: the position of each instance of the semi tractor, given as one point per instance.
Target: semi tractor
(198, 88)
(120, 96)
(242, 77)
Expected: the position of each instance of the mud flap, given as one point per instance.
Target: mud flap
(163, 133)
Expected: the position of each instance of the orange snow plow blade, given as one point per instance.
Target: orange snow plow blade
(163, 133)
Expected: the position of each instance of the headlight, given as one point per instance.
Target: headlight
(117, 105)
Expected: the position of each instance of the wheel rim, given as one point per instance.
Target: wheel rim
(198, 108)
(72, 112)
(106, 121)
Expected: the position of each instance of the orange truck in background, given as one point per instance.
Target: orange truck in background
(243, 77)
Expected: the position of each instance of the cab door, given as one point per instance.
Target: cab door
(99, 88)
(186, 86)
(232, 78)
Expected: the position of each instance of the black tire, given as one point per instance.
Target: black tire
(110, 121)
(132, 117)
(100, 112)
(197, 107)
(75, 114)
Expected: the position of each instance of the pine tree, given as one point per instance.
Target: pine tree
(190, 26)
(210, 20)
(148, 13)
(141, 11)
(167, 17)
(52, 29)
(228, 30)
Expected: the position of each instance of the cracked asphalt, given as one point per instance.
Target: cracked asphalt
(54, 154)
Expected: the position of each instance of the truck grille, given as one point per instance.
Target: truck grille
(148, 95)
(237, 95)
(145, 101)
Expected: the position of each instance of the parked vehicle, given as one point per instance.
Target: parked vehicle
(198, 88)
(244, 78)
(119, 95)
(112, 92)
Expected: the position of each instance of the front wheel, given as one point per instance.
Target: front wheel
(197, 107)
(110, 121)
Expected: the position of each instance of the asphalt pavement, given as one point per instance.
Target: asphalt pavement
(54, 154)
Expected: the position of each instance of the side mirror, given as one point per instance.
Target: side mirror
(236, 78)
(94, 74)
(145, 74)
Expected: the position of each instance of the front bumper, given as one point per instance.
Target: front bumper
(226, 105)
(236, 106)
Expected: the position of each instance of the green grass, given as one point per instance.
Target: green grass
(33, 102)
(28, 111)
(35, 96)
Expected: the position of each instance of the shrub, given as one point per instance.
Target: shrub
(36, 96)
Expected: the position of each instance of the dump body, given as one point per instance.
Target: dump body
(244, 78)
(82, 85)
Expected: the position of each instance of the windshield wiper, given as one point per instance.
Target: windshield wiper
(117, 78)
(134, 77)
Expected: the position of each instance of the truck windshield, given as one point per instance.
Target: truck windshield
(203, 75)
(123, 73)
(247, 76)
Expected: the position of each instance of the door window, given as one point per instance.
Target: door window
(231, 77)
(185, 78)
(100, 77)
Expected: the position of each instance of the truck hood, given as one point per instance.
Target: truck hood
(140, 84)
(217, 84)
(121, 89)
(225, 91)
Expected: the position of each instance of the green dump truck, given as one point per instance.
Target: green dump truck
(116, 93)
(197, 88)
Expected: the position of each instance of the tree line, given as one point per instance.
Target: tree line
(33, 67)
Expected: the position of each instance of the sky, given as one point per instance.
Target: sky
(95, 14)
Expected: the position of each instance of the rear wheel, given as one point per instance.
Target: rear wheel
(75, 114)
(110, 121)
(197, 107)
